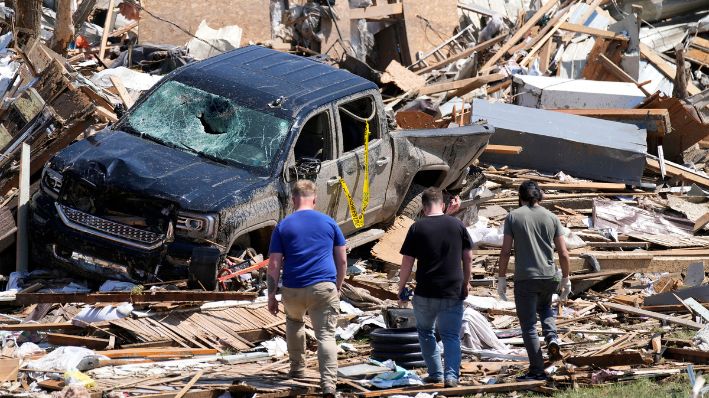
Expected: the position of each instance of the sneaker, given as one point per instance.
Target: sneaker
(451, 383)
(531, 377)
(554, 350)
(296, 374)
(432, 380)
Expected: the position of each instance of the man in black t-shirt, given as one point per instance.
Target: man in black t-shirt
(440, 243)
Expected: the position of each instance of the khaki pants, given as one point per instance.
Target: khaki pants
(321, 302)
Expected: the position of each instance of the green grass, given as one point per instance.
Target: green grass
(671, 387)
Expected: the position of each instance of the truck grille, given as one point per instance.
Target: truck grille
(109, 229)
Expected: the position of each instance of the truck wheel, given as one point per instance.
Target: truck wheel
(203, 268)
(411, 206)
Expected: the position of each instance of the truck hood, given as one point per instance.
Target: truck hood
(118, 161)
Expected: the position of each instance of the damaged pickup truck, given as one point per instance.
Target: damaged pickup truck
(206, 159)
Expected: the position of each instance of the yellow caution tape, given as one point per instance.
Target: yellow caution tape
(358, 217)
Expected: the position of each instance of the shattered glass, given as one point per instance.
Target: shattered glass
(210, 125)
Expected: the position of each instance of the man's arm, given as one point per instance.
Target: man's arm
(467, 269)
(505, 254)
(340, 253)
(560, 244)
(275, 262)
(407, 266)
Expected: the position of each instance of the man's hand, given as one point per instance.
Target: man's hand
(502, 288)
(453, 206)
(272, 304)
(465, 290)
(565, 288)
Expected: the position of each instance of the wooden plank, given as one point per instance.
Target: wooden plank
(619, 245)
(698, 56)
(189, 385)
(520, 33)
(145, 352)
(93, 343)
(619, 73)
(672, 170)
(667, 318)
(668, 70)
(31, 327)
(467, 390)
(480, 47)
(696, 307)
(464, 84)
(685, 354)
(503, 149)
(107, 26)
(118, 297)
(604, 361)
(584, 186)
(597, 274)
(701, 223)
(377, 11)
(606, 34)
(122, 92)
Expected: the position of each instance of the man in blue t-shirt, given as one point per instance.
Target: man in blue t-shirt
(310, 248)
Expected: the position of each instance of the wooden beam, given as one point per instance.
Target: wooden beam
(619, 73)
(503, 149)
(33, 327)
(701, 223)
(122, 92)
(458, 391)
(146, 352)
(107, 26)
(663, 66)
(604, 361)
(520, 33)
(672, 170)
(93, 343)
(119, 297)
(584, 186)
(547, 37)
(606, 34)
(480, 47)
(189, 385)
(667, 318)
(376, 12)
(464, 84)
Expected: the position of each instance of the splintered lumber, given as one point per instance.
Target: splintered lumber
(467, 390)
(584, 186)
(663, 66)
(701, 223)
(606, 34)
(676, 170)
(94, 343)
(118, 297)
(480, 47)
(462, 85)
(148, 352)
(604, 361)
(640, 312)
(520, 33)
(504, 149)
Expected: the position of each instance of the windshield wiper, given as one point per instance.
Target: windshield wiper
(204, 155)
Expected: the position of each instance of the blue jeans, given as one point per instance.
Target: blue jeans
(447, 314)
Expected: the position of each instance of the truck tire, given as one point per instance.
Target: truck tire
(393, 347)
(411, 206)
(203, 268)
(383, 336)
(398, 357)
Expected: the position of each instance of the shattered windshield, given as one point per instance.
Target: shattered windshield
(209, 125)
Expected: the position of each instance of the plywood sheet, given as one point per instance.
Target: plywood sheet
(442, 15)
(388, 247)
(253, 16)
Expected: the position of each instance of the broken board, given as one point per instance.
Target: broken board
(388, 247)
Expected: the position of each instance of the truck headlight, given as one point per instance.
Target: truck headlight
(196, 225)
(52, 181)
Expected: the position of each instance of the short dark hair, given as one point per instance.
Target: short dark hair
(431, 195)
(530, 192)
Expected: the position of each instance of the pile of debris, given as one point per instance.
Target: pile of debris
(603, 103)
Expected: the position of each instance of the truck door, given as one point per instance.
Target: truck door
(316, 140)
(351, 115)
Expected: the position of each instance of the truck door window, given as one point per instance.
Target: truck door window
(314, 138)
(353, 127)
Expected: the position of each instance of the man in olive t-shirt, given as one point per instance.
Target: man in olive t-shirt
(534, 231)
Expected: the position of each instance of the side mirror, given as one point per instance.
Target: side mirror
(305, 168)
